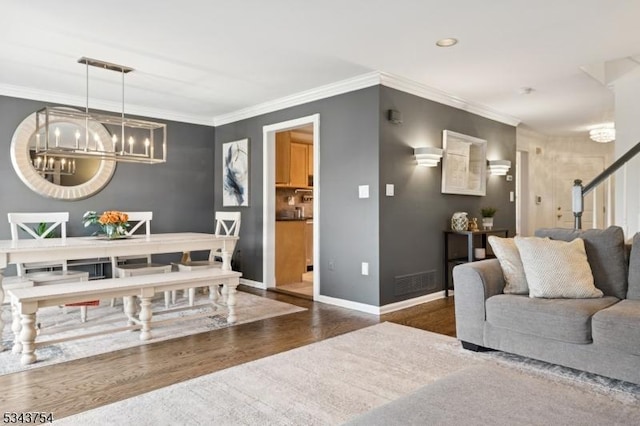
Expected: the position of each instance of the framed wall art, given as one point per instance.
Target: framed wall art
(235, 173)
(464, 164)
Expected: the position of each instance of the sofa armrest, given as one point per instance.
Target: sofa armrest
(473, 284)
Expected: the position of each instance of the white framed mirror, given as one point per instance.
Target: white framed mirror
(60, 178)
(464, 164)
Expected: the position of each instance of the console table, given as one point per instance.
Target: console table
(470, 235)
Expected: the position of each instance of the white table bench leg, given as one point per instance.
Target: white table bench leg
(15, 328)
(229, 289)
(2, 348)
(28, 338)
(145, 318)
(129, 309)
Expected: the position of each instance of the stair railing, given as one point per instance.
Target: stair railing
(579, 191)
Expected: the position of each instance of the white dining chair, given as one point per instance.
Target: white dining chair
(227, 224)
(129, 266)
(44, 273)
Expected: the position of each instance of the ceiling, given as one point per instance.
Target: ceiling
(198, 60)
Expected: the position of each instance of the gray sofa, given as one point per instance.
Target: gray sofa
(601, 336)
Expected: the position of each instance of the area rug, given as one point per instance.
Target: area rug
(55, 323)
(339, 379)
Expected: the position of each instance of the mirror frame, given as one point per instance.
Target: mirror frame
(21, 160)
(464, 164)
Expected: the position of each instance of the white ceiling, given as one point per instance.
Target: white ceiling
(200, 59)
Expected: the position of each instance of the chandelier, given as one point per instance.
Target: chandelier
(603, 134)
(68, 133)
(54, 166)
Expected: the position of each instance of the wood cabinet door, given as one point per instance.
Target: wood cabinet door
(308, 242)
(283, 157)
(290, 251)
(298, 166)
(310, 157)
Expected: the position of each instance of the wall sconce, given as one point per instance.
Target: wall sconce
(499, 167)
(428, 156)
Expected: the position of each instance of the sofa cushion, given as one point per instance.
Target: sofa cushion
(634, 269)
(565, 320)
(507, 253)
(605, 252)
(618, 327)
(556, 269)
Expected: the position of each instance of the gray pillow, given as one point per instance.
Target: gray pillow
(634, 269)
(605, 252)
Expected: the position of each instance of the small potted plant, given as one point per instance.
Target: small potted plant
(487, 217)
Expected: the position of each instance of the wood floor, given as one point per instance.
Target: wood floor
(76, 386)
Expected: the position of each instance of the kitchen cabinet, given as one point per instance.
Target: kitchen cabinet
(308, 242)
(290, 251)
(298, 174)
(292, 161)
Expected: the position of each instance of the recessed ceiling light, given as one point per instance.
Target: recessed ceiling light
(525, 90)
(447, 42)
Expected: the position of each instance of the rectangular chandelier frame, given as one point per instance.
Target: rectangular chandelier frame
(67, 132)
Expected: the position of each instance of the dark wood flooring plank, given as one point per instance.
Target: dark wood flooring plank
(83, 384)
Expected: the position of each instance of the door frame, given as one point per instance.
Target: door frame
(269, 197)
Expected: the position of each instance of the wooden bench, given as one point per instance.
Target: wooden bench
(25, 302)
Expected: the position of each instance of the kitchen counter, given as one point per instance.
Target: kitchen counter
(292, 219)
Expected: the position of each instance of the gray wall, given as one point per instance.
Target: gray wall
(348, 158)
(412, 222)
(180, 192)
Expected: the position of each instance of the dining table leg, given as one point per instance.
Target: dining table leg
(16, 327)
(2, 348)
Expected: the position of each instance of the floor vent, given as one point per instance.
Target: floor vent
(412, 283)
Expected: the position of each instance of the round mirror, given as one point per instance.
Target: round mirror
(60, 177)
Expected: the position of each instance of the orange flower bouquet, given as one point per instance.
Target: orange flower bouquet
(113, 224)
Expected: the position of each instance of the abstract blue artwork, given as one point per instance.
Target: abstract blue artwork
(235, 173)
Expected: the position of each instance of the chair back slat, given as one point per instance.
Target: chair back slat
(228, 223)
(23, 221)
(141, 219)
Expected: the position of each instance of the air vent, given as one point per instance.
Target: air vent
(412, 283)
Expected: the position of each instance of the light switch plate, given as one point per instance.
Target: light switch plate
(390, 190)
(512, 196)
(365, 268)
(363, 191)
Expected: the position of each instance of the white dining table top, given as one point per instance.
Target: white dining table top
(27, 250)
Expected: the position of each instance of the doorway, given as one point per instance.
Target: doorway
(291, 212)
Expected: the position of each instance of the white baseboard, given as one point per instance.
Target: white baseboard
(380, 310)
(392, 307)
(251, 283)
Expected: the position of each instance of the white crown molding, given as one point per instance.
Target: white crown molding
(344, 86)
(322, 92)
(360, 82)
(436, 95)
(77, 101)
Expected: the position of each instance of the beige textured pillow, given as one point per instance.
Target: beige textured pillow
(507, 253)
(556, 269)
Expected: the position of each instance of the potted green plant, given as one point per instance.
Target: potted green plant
(487, 217)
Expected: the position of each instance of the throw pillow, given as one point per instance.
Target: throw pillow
(634, 269)
(606, 254)
(556, 269)
(507, 253)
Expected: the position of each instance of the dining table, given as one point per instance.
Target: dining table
(70, 248)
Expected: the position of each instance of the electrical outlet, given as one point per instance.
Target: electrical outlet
(332, 265)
